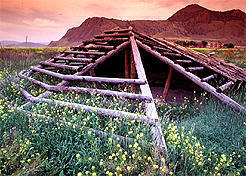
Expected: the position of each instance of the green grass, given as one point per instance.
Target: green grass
(204, 137)
(232, 55)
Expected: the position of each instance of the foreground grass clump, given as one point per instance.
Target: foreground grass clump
(19, 58)
(204, 137)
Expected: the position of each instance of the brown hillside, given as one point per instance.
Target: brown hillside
(192, 22)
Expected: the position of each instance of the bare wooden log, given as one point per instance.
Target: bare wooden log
(85, 52)
(230, 71)
(86, 90)
(170, 54)
(117, 31)
(167, 85)
(87, 68)
(101, 111)
(106, 40)
(183, 61)
(225, 86)
(192, 69)
(94, 47)
(113, 35)
(89, 78)
(74, 59)
(126, 63)
(61, 66)
(151, 111)
(133, 71)
(209, 78)
(195, 79)
(98, 132)
(161, 49)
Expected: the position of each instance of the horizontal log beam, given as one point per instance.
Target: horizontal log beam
(74, 59)
(61, 66)
(94, 47)
(227, 100)
(101, 111)
(183, 61)
(106, 40)
(193, 69)
(170, 54)
(85, 69)
(119, 31)
(98, 132)
(161, 49)
(85, 52)
(114, 35)
(89, 78)
(206, 79)
(225, 86)
(86, 90)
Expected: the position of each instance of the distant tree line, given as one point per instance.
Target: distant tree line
(202, 44)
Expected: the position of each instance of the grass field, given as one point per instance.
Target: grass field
(232, 55)
(204, 137)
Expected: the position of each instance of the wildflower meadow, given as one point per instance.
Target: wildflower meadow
(203, 135)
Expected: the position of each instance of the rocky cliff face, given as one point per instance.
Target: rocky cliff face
(192, 22)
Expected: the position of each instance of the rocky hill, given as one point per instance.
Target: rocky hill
(190, 23)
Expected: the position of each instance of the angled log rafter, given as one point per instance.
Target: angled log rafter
(86, 57)
(85, 69)
(151, 111)
(227, 100)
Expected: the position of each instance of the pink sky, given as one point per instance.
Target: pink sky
(46, 20)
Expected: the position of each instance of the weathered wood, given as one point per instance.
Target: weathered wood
(98, 132)
(61, 66)
(151, 111)
(74, 59)
(170, 54)
(89, 78)
(161, 49)
(85, 52)
(87, 68)
(105, 40)
(94, 47)
(167, 85)
(86, 90)
(193, 69)
(225, 86)
(92, 73)
(127, 63)
(228, 70)
(113, 35)
(195, 79)
(101, 111)
(183, 61)
(209, 78)
(118, 31)
(133, 71)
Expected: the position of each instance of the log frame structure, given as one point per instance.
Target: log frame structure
(92, 53)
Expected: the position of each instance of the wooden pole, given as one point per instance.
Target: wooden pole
(151, 111)
(101, 111)
(133, 71)
(167, 85)
(227, 100)
(98, 132)
(126, 63)
(86, 90)
(88, 78)
(86, 69)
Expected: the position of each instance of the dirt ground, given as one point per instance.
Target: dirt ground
(178, 93)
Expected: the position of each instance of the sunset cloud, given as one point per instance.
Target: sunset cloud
(45, 20)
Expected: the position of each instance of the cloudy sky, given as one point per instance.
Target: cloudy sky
(46, 20)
